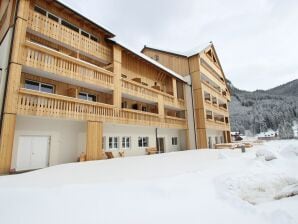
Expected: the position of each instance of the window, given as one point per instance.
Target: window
(144, 108)
(94, 38)
(174, 141)
(87, 96)
(156, 58)
(40, 10)
(113, 142)
(143, 141)
(42, 87)
(125, 142)
(70, 26)
(52, 17)
(85, 34)
(124, 104)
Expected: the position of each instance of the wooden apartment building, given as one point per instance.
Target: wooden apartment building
(67, 89)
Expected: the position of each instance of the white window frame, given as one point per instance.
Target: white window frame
(39, 86)
(126, 142)
(142, 141)
(173, 141)
(87, 95)
(115, 140)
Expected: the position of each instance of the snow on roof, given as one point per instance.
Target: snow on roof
(188, 53)
(150, 60)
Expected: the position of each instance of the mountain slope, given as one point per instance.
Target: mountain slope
(288, 89)
(260, 110)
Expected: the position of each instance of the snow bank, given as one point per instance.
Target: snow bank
(196, 186)
(266, 154)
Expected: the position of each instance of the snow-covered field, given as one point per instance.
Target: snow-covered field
(196, 186)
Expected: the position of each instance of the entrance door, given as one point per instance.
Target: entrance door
(33, 152)
(161, 145)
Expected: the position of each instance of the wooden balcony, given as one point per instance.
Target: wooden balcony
(66, 36)
(173, 102)
(36, 103)
(48, 60)
(218, 125)
(136, 89)
(148, 93)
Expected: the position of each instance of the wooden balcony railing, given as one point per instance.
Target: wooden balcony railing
(36, 103)
(136, 89)
(49, 60)
(54, 30)
(176, 121)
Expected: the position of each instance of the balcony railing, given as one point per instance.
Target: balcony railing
(36, 103)
(49, 60)
(54, 30)
(136, 89)
(179, 122)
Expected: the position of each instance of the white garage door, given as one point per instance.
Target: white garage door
(33, 152)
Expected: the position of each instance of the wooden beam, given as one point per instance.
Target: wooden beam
(6, 142)
(94, 149)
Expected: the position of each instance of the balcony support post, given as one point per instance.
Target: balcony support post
(117, 58)
(94, 149)
(13, 85)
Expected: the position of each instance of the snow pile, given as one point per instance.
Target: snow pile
(266, 154)
(196, 186)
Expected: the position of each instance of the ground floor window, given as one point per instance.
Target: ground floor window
(113, 142)
(174, 141)
(125, 142)
(143, 141)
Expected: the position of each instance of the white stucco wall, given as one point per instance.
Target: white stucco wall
(67, 137)
(4, 58)
(214, 133)
(111, 130)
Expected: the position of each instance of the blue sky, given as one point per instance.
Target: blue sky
(256, 40)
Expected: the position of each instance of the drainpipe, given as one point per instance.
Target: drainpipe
(9, 62)
(156, 140)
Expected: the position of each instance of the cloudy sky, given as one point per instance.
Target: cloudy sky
(256, 40)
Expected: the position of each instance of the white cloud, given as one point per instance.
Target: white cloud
(255, 40)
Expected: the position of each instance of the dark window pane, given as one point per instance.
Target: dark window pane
(52, 17)
(94, 38)
(39, 10)
(83, 96)
(84, 33)
(31, 85)
(47, 88)
(92, 98)
(70, 26)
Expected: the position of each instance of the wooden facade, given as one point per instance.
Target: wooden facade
(210, 92)
(64, 66)
(57, 47)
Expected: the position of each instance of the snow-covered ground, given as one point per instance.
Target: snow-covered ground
(196, 186)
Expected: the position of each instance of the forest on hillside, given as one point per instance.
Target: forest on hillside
(260, 110)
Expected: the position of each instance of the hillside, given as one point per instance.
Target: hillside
(260, 110)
